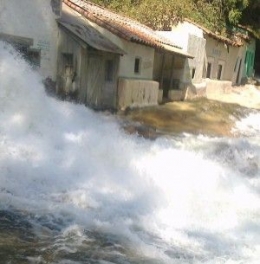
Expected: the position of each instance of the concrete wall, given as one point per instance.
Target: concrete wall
(127, 62)
(133, 93)
(216, 87)
(194, 68)
(34, 19)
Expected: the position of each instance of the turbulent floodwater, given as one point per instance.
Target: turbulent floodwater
(74, 188)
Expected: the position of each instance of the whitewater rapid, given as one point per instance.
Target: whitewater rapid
(89, 193)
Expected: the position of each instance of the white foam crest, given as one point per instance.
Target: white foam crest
(166, 197)
(249, 126)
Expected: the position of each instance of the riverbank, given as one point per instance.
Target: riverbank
(214, 116)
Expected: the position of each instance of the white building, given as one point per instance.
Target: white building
(191, 39)
(112, 59)
(31, 27)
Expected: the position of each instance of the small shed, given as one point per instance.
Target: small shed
(111, 58)
(87, 62)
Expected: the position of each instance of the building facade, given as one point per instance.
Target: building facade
(33, 31)
(109, 59)
(191, 39)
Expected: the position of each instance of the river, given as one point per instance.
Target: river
(76, 188)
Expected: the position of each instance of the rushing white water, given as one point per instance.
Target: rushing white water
(102, 196)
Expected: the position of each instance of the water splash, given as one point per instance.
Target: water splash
(87, 192)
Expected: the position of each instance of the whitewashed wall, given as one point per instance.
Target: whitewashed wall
(134, 93)
(190, 38)
(34, 19)
(132, 50)
(127, 62)
(219, 53)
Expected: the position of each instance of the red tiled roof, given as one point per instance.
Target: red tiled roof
(121, 26)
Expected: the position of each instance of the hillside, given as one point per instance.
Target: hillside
(220, 16)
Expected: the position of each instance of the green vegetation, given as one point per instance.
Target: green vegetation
(216, 15)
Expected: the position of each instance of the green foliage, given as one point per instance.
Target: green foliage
(216, 15)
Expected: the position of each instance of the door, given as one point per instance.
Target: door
(111, 62)
(95, 80)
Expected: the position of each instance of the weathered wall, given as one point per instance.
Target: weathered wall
(217, 87)
(196, 47)
(190, 38)
(133, 50)
(68, 45)
(219, 53)
(133, 93)
(34, 19)
(127, 62)
(94, 88)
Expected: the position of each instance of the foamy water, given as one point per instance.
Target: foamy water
(85, 192)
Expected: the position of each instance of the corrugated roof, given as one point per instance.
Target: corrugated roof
(124, 27)
(75, 23)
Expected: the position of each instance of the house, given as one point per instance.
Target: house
(111, 61)
(229, 60)
(31, 27)
(191, 39)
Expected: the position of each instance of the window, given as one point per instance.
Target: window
(109, 70)
(34, 57)
(193, 73)
(137, 65)
(209, 70)
(67, 59)
(220, 67)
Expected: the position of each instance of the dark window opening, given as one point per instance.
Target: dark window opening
(220, 67)
(193, 73)
(109, 70)
(22, 45)
(67, 59)
(34, 57)
(208, 70)
(137, 65)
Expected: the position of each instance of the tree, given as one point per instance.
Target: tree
(217, 15)
(250, 16)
